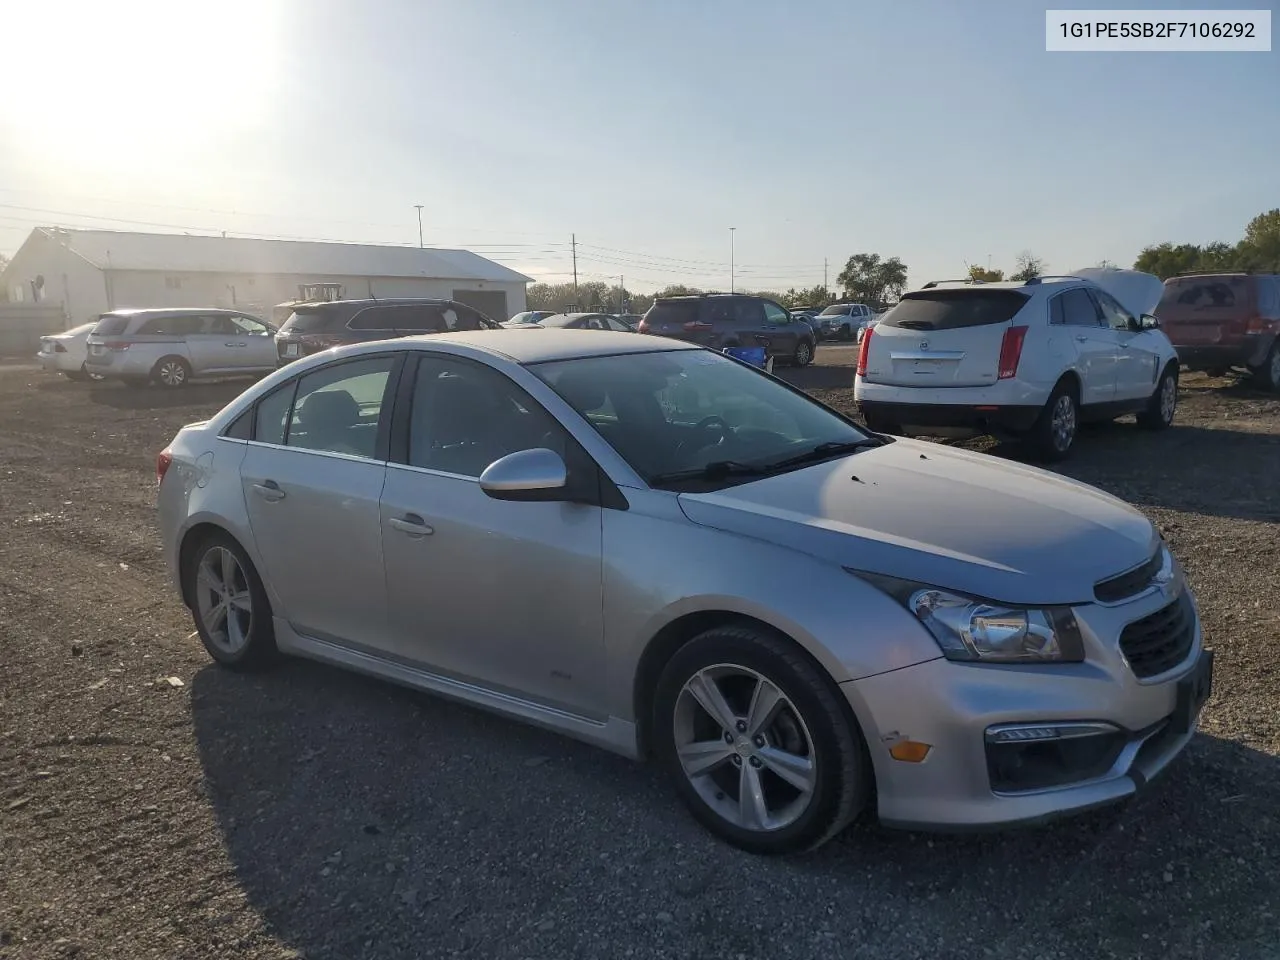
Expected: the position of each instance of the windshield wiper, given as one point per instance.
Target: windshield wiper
(823, 451)
(715, 470)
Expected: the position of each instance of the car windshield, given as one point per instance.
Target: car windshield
(529, 316)
(674, 413)
(837, 310)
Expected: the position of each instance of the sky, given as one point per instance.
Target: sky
(936, 131)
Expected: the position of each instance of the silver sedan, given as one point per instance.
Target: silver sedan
(665, 552)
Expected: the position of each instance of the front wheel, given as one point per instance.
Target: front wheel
(1164, 401)
(846, 333)
(760, 747)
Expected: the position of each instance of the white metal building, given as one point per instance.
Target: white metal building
(92, 271)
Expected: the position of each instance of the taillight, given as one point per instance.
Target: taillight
(162, 465)
(863, 350)
(1256, 325)
(118, 346)
(642, 327)
(1011, 352)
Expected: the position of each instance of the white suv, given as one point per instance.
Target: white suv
(1029, 360)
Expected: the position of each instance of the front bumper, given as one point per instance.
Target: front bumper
(952, 706)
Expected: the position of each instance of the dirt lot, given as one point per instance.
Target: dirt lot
(312, 813)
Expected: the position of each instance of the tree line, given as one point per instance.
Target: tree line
(1258, 250)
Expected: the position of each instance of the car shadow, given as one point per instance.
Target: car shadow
(365, 820)
(817, 376)
(121, 397)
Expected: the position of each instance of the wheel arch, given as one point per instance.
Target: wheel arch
(192, 538)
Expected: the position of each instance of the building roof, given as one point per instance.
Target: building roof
(185, 253)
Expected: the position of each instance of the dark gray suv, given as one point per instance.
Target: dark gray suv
(313, 327)
(719, 320)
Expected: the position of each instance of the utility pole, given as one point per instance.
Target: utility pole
(418, 207)
(731, 229)
(573, 240)
(824, 273)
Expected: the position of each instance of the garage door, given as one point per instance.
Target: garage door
(492, 303)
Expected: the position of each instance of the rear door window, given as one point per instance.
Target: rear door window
(417, 318)
(1074, 308)
(373, 318)
(954, 309)
(338, 407)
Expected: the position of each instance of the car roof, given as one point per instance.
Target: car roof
(552, 344)
(172, 312)
(311, 305)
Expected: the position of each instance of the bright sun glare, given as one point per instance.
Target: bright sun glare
(98, 72)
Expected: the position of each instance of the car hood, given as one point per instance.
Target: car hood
(945, 517)
(1137, 292)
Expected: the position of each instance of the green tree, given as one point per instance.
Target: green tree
(868, 278)
(980, 274)
(1028, 266)
(817, 297)
(1260, 248)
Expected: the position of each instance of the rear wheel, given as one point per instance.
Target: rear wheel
(172, 372)
(804, 353)
(1055, 429)
(1164, 401)
(229, 604)
(1268, 374)
(760, 746)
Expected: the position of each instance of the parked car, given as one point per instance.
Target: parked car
(65, 353)
(576, 321)
(841, 321)
(809, 316)
(695, 562)
(632, 320)
(719, 320)
(1026, 360)
(172, 346)
(314, 327)
(1218, 321)
(529, 316)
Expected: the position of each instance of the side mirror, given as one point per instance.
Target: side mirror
(1148, 322)
(538, 474)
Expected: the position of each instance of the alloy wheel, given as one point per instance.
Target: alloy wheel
(172, 373)
(744, 748)
(223, 600)
(1064, 422)
(1168, 398)
(804, 353)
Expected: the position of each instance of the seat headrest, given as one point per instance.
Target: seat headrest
(329, 408)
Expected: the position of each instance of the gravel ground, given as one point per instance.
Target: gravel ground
(152, 805)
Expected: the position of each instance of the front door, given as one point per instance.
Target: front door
(1095, 346)
(503, 594)
(1137, 363)
(781, 328)
(312, 477)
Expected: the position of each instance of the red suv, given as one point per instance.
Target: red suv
(1217, 321)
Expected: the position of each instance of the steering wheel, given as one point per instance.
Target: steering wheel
(702, 430)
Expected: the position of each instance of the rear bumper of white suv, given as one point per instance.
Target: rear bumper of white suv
(1010, 406)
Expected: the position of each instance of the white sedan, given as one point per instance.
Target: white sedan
(65, 353)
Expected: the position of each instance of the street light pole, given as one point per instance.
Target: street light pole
(418, 207)
(731, 229)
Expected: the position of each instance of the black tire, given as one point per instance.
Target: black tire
(1268, 375)
(1158, 415)
(804, 353)
(842, 777)
(878, 424)
(1045, 439)
(258, 649)
(846, 332)
(171, 372)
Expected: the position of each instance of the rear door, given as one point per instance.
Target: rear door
(943, 338)
(312, 477)
(1205, 311)
(1096, 345)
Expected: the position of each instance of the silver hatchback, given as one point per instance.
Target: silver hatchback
(663, 551)
(172, 346)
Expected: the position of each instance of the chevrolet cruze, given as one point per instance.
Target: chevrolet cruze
(660, 550)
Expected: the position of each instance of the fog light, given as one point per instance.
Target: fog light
(1024, 757)
(910, 751)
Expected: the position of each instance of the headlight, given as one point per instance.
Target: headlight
(969, 628)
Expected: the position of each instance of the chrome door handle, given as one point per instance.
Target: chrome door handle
(412, 524)
(268, 490)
